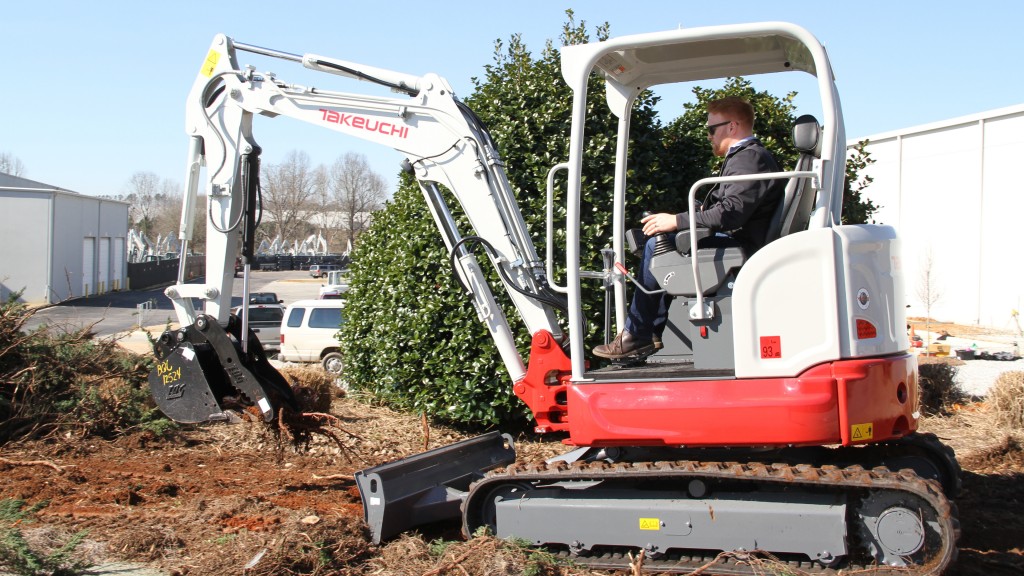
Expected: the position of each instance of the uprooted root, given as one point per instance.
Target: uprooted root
(313, 389)
(300, 428)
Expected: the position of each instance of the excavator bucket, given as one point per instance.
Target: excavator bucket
(430, 486)
(181, 390)
(201, 373)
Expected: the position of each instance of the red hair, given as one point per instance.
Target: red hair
(734, 108)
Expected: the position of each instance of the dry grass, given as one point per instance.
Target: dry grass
(314, 387)
(1006, 399)
(970, 429)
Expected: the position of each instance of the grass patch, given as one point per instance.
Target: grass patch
(19, 557)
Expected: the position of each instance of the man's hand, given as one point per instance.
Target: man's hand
(659, 223)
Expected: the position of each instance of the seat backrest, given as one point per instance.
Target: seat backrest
(794, 211)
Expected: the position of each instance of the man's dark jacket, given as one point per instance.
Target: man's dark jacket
(741, 209)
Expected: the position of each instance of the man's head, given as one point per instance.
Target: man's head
(730, 120)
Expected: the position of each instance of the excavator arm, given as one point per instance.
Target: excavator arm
(445, 146)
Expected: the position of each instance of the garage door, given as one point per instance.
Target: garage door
(117, 264)
(88, 260)
(104, 267)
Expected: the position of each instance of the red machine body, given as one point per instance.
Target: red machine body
(844, 402)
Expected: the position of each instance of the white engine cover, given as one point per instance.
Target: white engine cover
(818, 296)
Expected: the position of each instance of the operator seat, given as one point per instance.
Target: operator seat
(794, 211)
(718, 265)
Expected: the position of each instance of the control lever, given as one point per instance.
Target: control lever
(662, 243)
(622, 269)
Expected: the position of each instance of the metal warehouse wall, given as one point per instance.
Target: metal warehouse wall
(56, 244)
(24, 245)
(89, 246)
(955, 192)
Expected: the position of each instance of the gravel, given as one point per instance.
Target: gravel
(977, 376)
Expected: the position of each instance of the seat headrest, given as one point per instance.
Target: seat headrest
(807, 135)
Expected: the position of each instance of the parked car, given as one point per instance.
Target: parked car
(265, 321)
(308, 333)
(321, 270)
(336, 286)
(264, 298)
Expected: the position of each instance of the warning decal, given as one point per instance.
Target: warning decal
(861, 432)
(210, 64)
(771, 347)
(650, 524)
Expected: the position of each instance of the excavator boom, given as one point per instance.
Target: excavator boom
(445, 147)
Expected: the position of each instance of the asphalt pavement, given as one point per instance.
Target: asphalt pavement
(118, 314)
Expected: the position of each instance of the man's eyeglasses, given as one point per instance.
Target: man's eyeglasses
(713, 127)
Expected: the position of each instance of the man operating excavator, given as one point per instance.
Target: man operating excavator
(738, 214)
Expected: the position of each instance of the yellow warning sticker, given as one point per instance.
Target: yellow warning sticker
(859, 432)
(650, 524)
(210, 64)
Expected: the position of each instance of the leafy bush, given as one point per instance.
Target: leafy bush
(938, 386)
(69, 380)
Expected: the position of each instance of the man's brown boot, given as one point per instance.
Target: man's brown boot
(624, 346)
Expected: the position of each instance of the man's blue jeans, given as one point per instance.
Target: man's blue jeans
(647, 312)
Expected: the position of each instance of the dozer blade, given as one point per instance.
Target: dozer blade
(430, 486)
(201, 373)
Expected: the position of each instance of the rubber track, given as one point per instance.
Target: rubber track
(831, 478)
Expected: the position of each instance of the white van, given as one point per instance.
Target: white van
(321, 270)
(308, 333)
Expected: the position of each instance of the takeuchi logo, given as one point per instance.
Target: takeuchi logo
(363, 123)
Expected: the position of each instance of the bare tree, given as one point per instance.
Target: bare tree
(10, 164)
(153, 203)
(288, 189)
(167, 210)
(198, 245)
(928, 290)
(325, 215)
(358, 190)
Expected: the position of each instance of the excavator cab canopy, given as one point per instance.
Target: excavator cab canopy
(688, 55)
(632, 64)
(687, 60)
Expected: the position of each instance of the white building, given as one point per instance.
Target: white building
(56, 244)
(955, 192)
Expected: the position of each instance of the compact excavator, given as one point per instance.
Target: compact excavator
(780, 415)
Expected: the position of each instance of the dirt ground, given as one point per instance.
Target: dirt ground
(229, 499)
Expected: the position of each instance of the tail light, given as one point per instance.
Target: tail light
(865, 330)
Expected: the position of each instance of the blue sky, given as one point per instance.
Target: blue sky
(94, 91)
